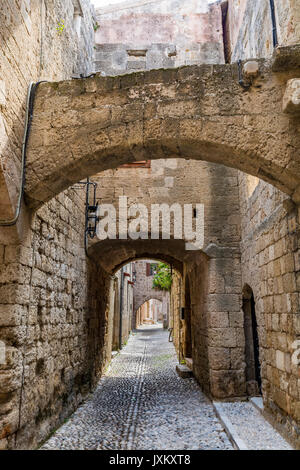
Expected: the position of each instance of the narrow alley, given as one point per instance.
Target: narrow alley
(142, 404)
(149, 183)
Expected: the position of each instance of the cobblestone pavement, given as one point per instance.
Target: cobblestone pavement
(250, 426)
(141, 403)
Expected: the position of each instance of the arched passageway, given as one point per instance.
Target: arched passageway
(148, 299)
(86, 126)
(253, 367)
(208, 303)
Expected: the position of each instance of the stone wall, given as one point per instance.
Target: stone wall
(165, 33)
(124, 295)
(53, 331)
(210, 292)
(143, 288)
(270, 266)
(51, 324)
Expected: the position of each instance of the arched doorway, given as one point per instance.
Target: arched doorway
(127, 308)
(253, 370)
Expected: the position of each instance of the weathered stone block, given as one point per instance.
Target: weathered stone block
(226, 384)
(251, 68)
(236, 319)
(222, 337)
(10, 379)
(14, 294)
(237, 358)
(281, 399)
(19, 253)
(291, 99)
(223, 302)
(12, 315)
(219, 358)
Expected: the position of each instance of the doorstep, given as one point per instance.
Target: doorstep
(183, 371)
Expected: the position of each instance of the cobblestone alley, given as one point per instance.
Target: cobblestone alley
(142, 404)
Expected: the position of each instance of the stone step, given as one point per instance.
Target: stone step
(183, 371)
(189, 362)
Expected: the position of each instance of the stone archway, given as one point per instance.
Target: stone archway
(82, 127)
(144, 291)
(111, 255)
(140, 317)
(253, 367)
(213, 337)
(150, 297)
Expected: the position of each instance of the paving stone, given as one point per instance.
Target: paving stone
(249, 425)
(183, 371)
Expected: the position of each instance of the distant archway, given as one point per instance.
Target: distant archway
(111, 255)
(148, 313)
(147, 299)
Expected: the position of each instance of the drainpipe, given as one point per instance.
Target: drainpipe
(28, 121)
(274, 24)
(121, 309)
